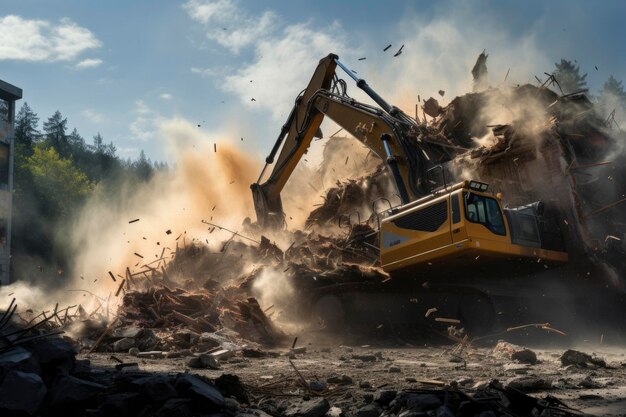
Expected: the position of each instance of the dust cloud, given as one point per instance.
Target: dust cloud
(210, 181)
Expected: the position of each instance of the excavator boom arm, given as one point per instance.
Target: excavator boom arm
(383, 130)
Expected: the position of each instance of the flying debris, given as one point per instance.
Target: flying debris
(399, 51)
(441, 93)
(199, 125)
(252, 99)
(388, 46)
(596, 67)
(362, 59)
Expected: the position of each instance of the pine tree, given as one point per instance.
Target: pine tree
(55, 128)
(26, 133)
(568, 76)
(98, 144)
(613, 87)
(143, 167)
(76, 143)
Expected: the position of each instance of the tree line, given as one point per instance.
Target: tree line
(55, 172)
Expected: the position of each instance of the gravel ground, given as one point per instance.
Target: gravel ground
(367, 369)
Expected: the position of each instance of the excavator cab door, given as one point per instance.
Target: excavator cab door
(458, 228)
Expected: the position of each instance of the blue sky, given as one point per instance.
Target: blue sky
(123, 68)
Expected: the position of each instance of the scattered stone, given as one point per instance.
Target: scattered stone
(384, 397)
(19, 359)
(156, 387)
(71, 392)
(515, 353)
(209, 361)
(152, 354)
(410, 379)
(365, 384)
(365, 358)
(199, 391)
(421, 402)
(231, 386)
(368, 398)
(316, 385)
(21, 392)
(369, 410)
(394, 370)
(574, 357)
(342, 380)
(133, 351)
(529, 384)
(314, 407)
(123, 344)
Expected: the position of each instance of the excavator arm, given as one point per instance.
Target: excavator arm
(385, 130)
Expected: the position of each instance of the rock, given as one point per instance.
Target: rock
(195, 362)
(368, 398)
(444, 411)
(334, 412)
(529, 383)
(21, 392)
(422, 402)
(370, 410)
(465, 381)
(231, 386)
(178, 407)
(231, 404)
(133, 351)
(209, 361)
(410, 379)
(574, 357)
(252, 412)
(201, 392)
(123, 344)
(122, 404)
(315, 407)
(343, 380)
(365, 384)
(365, 358)
(19, 359)
(130, 331)
(157, 388)
(589, 383)
(384, 397)
(253, 353)
(70, 392)
(55, 353)
(394, 370)
(151, 354)
(316, 385)
(515, 352)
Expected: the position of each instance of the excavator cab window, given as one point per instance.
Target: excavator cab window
(485, 211)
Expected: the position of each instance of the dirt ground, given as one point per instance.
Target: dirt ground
(369, 368)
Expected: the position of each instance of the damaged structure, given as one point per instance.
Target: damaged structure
(464, 205)
(9, 94)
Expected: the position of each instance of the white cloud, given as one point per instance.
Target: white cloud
(40, 40)
(283, 67)
(228, 24)
(166, 96)
(204, 72)
(93, 116)
(88, 63)
(144, 127)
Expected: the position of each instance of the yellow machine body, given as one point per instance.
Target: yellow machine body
(454, 226)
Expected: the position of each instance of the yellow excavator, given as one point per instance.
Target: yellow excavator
(436, 223)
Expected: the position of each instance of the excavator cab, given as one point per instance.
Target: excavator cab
(466, 223)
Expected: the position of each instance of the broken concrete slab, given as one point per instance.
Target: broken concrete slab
(21, 392)
(201, 392)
